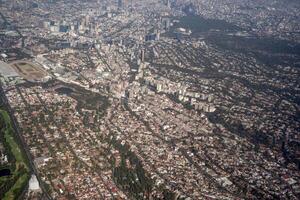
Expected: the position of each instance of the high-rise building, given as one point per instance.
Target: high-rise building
(120, 4)
(166, 23)
(168, 3)
(143, 55)
(159, 87)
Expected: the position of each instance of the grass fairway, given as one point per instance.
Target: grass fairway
(15, 149)
(21, 165)
(9, 138)
(17, 188)
(3, 179)
(5, 116)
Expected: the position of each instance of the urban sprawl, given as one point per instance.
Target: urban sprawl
(156, 99)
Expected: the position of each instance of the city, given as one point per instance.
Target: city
(157, 99)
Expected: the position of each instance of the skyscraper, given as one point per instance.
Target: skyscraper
(143, 55)
(168, 3)
(120, 4)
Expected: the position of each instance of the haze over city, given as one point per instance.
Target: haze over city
(149, 99)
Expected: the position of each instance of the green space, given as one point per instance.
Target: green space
(12, 186)
(200, 24)
(133, 179)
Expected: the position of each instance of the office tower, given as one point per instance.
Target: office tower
(143, 55)
(168, 3)
(120, 4)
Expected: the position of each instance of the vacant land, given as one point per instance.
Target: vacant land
(29, 71)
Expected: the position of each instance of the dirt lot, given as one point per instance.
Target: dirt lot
(29, 71)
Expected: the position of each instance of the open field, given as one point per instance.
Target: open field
(6, 70)
(29, 71)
